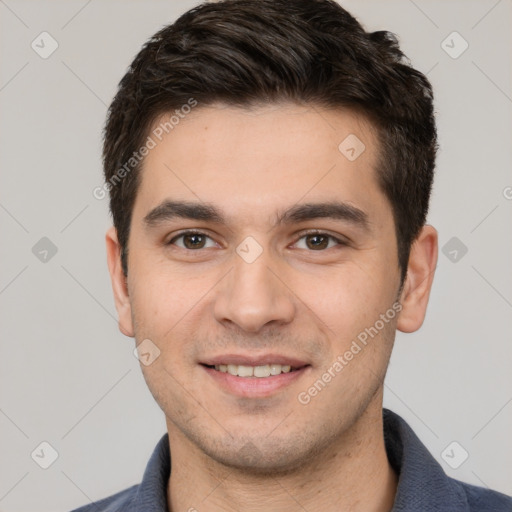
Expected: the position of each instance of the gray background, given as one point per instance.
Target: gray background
(68, 377)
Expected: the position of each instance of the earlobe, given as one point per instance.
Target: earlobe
(418, 283)
(119, 284)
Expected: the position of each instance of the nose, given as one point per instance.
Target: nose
(254, 294)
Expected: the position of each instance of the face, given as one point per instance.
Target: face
(259, 257)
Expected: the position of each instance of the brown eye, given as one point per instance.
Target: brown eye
(194, 241)
(317, 241)
(191, 240)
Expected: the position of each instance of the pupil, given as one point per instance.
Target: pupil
(193, 241)
(316, 245)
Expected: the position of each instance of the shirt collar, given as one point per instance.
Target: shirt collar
(152, 491)
(422, 483)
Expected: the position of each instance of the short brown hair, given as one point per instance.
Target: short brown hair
(248, 52)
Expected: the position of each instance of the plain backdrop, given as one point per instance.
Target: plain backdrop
(67, 375)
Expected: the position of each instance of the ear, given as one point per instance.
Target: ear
(418, 282)
(119, 284)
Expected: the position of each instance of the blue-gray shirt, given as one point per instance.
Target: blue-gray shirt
(422, 484)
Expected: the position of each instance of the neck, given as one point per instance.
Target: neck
(352, 474)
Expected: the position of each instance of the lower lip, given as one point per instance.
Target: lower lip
(254, 387)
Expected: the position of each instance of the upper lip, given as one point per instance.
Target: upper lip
(253, 360)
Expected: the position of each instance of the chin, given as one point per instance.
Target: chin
(262, 457)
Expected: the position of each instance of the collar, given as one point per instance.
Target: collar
(422, 483)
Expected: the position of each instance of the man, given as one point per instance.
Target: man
(269, 165)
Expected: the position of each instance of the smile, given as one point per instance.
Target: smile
(261, 371)
(255, 381)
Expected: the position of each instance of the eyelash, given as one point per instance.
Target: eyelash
(339, 241)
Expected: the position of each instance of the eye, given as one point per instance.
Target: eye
(318, 241)
(315, 240)
(192, 240)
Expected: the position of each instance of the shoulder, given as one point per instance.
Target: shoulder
(485, 500)
(151, 491)
(116, 503)
(422, 483)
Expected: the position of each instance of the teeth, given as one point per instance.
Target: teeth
(253, 371)
(245, 371)
(262, 371)
(275, 369)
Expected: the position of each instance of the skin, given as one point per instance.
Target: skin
(273, 453)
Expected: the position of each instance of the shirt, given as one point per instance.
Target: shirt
(422, 484)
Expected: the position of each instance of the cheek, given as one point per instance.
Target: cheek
(351, 295)
(161, 299)
(358, 309)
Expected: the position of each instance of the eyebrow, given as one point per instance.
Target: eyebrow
(170, 210)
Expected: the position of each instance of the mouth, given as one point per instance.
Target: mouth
(254, 377)
(259, 372)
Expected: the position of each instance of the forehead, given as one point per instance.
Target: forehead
(253, 160)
